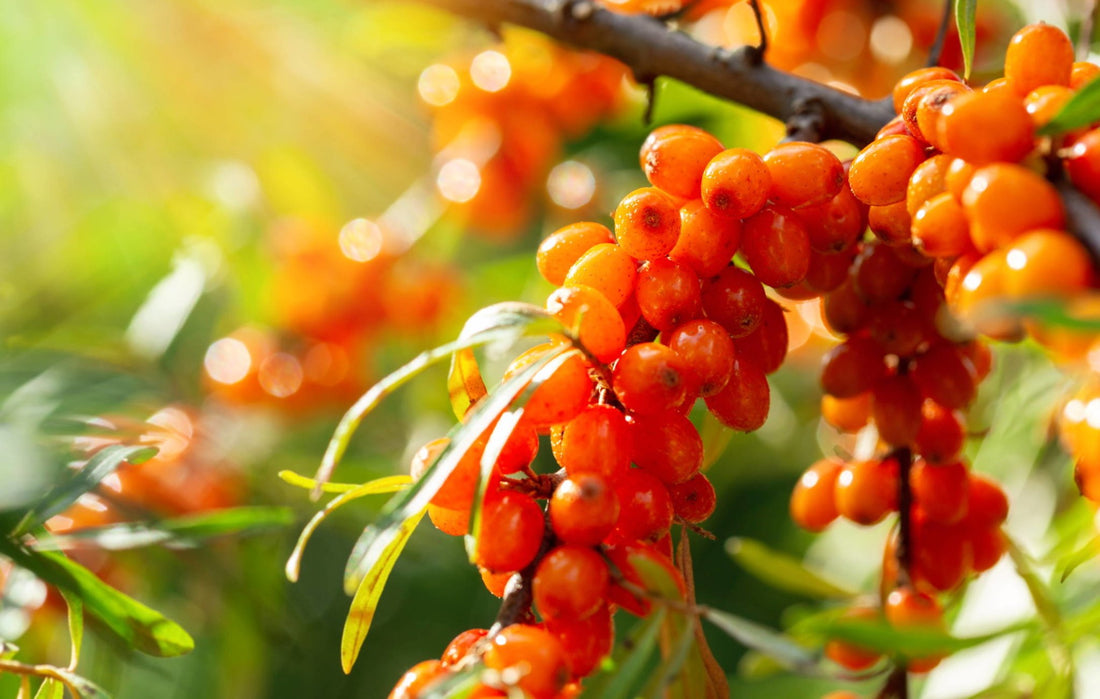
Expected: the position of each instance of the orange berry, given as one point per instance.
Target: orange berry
(460, 646)
(847, 414)
(510, 533)
(1044, 103)
(417, 678)
(880, 173)
(562, 248)
(776, 246)
(645, 508)
(916, 78)
(852, 367)
(1083, 164)
(586, 641)
(597, 322)
(583, 509)
(735, 300)
(570, 581)
(907, 608)
(940, 228)
(1081, 73)
(945, 375)
(866, 491)
(673, 158)
(452, 522)
(1047, 263)
(535, 653)
(896, 409)
(667, 445)
(986, 127)
(1038, 54)
(942, 433)
(693, 500)
(744, 403)
(647, 223)
(667, 293)
(608, 269)
(736, 183)
(597, 441)
(650, 378)
(707, 242)
(803, 174)
(890, 223)
(941, 490)
(835, 225)
(928, 180)
(707, 351)
(813, 500)
(563, 393)
(766, 347)
(1002, 201)
(848, 655)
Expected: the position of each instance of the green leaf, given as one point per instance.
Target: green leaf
(377, 537)
(179, 532)
(80, 686)
(86, 688)
(781, 571)
(308, 483)
(767, 641)
(132, 622)
(881, 636)
(501, 324)
(464, 383)
(453, 685)
(102, 464)
(76, 626)
(370, 588)
(389, 484)
(965, 12)
(628, 671)
(1082, 109)
(50, 689)
(1061, 313)
(665, 675)
(716, 437)
(1068, 563)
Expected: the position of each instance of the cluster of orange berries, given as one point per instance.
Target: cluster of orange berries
(331, 297)
(500, 120)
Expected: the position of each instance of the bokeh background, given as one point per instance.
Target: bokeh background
(222, 220)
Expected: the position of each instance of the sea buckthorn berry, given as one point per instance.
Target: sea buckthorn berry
(495, 583)
(735, 300)
(647, 223)
(813, 500)
(942, 433)
(927, 181)
(693, 500)
(667, 445)
(707, 240)
(458, 648)
(457, 491)
(958, 177)
(907, 608)
(767, 345)
(852, 367)
(866, 491)
(986, 127)
(744, 403)
(940, 228)
(707, 351)
(987, 545)
(803, 174)
(895, 408)
(510, 533)
(586, 641)
(941, 490)
(1044, 103)
(608, 269)
(598, 441)
(835, 225)
(565, 389)
(1002, 201)
(930, 108)
(1047, 263)
(519, 451)
(891, 223)
(645, 508)
(451, 522)
(597, 322)
(880, 173)
(829, 271)
(848, 655)
(945, 375)
(987, 504)
(879, 274)
(736, 183)
(673, 158)
(894, 127)
(776, 246)
(1083, 164)
(899, 328)
(562, 248)
(570, 581)
(536, 653)
(1038, 54)
(980, 297)
(583, 509)
(1001, 86)
(417, 678)
(919, 77)
(1081, 73)
(668, 293)
(845, 310)
(940, 555)
(650, 378)
(847, 414)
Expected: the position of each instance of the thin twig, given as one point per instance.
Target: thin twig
(762, 47)
(904, 457)
(936, 52)
(515, 606)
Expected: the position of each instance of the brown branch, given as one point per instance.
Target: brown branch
(651, 48)
(905, 507)
(936, 52)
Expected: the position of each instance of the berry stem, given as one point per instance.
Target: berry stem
(904, 458)
(650, 47)
(936, 52)
(897, 685)
(762, 47)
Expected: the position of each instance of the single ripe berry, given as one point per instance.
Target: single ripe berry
(803, 174)
(650, 378)
(511, 531)
(707, 242)
(986, 127)
(866, 491)
(736, 183)
(597, 441)
(941, 490)
(673, 158)
(744, 403)
(896, 409)
(647, 223)
(535, 654)
(562, 248)
(645, 508)
(583, 509)
(597, 322)
(608, 269)
(776, 246)
(907, 608)
(708, 353)
(667, 445)
(570, 581)
(1047, 263)
(668, 293)
(849, 655)
(813, 500)
(852, 367)
(766, 346)
(735, 299)
(1003, 201)
(1037, 55)
(563, 387)
(586, 641)
(693, 500)
(417, 678)
(916, 78)
(880, 173)
(458, 648)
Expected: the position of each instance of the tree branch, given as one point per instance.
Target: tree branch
(651, 48)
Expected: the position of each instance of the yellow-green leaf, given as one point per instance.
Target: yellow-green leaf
(782, 571)
(965, 12)
(464, 383)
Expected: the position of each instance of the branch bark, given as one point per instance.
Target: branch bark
(652, 48)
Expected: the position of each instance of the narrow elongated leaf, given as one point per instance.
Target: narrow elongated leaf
(781, 571)
(81, 687)
(501, 324)
(666, 673)
(453, 685)
(370, 588)
(378, 537)
(702, 661)
(1068, 563)
(102, 464)
(464, 383)
(76, 626)
(965, 13)
(297, 479)
(389, 484)
(881, 636)
(132, 622)
(1082, 109)
(178, 532)
(767, 641)
(50, 689)
(629, 671)
(1060, 313)
(716, 437)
